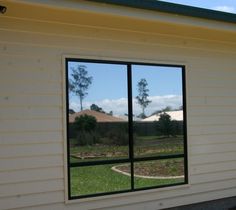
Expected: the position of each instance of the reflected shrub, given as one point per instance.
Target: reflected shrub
(86, 123)
(117, 137)
(87, 138)
(88, 131)
(85, 127)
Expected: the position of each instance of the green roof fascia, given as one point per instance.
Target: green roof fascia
(173, 8)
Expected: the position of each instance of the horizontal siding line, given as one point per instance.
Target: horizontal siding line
(35, 57)
(218, 153)
(162, 198)
(124, 42)
(38, 144)
(59, 156)
(34, 143)
(29, 82)
(205, 182)
(220, 180)
(210, 134)
(36, 203)
(217, 172)
(30, 94)
(61, 205)
(211, 124)
(35, 169)
(225, 161)
(203, 97)
(210, 87)
(35, 156)
(207, 152)
(38, 193)
(193, 144)
(33, 181)
(211, 76)
(97, 50)
(231, 104)
(32, 82)
(33, 131)
(14, 93)
(101, 52)
(21, 55)
(203, 116)
(151, 198)
(24, 81)
(207, 105)
(30, 168)
(173, 196)
(26, 194)
(176, 195)
(33, 106)
(208, 81)
(122, 30)
(25, 156)
(209, 115)
(209, 96)
(37, 45)
(61, 176)
(28, 118)
(207, 173)
(177, 46)
(213, 177)
(204, 169)
(27, 167)
(198, 192)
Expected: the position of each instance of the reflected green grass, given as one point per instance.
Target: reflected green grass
(99, 179)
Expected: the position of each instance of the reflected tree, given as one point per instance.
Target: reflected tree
(142, 96)
(79, 83)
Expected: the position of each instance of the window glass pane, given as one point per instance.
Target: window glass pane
(98, 125)
(158, 110)
(158, 173)
(90, 180)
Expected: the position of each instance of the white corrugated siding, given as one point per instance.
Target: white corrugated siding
(31, 103)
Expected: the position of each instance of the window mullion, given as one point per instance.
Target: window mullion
(130, 119)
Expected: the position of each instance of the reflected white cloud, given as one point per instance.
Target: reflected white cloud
(119, 106)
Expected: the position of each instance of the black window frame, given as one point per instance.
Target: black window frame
(131, 159)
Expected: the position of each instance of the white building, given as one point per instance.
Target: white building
(175, 115)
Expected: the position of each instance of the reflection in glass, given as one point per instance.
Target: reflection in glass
(158, 110)
(158, 173)
(89, 180)
(98, 127)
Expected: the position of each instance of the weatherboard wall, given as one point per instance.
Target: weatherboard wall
(35, 38)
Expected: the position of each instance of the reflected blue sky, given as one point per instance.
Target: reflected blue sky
(109, 87)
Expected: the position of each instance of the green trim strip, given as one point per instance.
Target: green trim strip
(172, 8)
